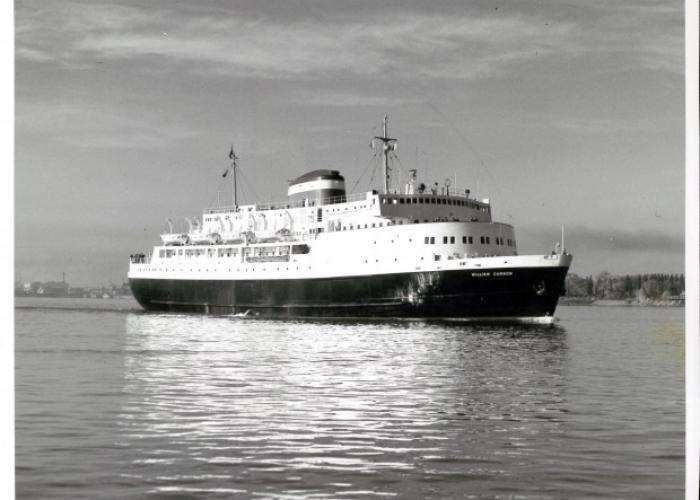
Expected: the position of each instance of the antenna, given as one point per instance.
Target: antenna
(389, 145)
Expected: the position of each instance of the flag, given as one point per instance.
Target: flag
(231, 154)
(225, 173)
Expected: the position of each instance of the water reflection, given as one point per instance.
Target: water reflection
(302, 409)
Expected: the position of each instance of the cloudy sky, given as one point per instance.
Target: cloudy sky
(561, 112)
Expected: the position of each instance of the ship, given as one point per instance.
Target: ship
(407, 252)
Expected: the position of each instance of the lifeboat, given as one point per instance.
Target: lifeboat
(174, 239)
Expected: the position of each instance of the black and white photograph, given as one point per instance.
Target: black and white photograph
(314, 249)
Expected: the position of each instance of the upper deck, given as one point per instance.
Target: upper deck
(332, 214)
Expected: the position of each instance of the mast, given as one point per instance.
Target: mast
(233, 157)
(389, 144)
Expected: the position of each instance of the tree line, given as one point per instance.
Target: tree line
(620, 287)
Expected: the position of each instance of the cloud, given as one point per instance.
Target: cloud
(85, 126)
(613, 240)
(412, 45)
(32, 54)
(349, 99)
(644, 34)
(464, 45)
(592, 125)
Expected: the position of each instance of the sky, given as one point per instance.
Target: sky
(562, 113)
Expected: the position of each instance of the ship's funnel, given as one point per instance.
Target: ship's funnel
(319, 186)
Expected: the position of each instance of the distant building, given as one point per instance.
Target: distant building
(55, 289)
(77, 292)
(124, 289)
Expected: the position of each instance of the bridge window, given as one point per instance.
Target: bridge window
(452, 239)
(481, 238)
(426, 240)
(432, 240)
(444, 240)
(488, 240)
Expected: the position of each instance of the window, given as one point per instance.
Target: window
(452, 239)
(427, 240)
(401, 200)
(300, 249)
(471, 240)
(464, 239)
(482, 239)
(432, 240)
(444, 240)
(488, 240)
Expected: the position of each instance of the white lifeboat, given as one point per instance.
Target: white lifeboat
(175, 239)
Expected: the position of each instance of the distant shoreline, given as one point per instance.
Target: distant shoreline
(590, 301)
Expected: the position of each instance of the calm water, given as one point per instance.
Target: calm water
(115, 403)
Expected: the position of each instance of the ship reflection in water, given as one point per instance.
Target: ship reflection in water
(349, 410)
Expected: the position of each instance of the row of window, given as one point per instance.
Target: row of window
(435, 201)
(233, 252)
(484, 240)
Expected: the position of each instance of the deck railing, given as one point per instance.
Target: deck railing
(282, 205)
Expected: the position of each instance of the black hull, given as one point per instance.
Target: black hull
(460, 294)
